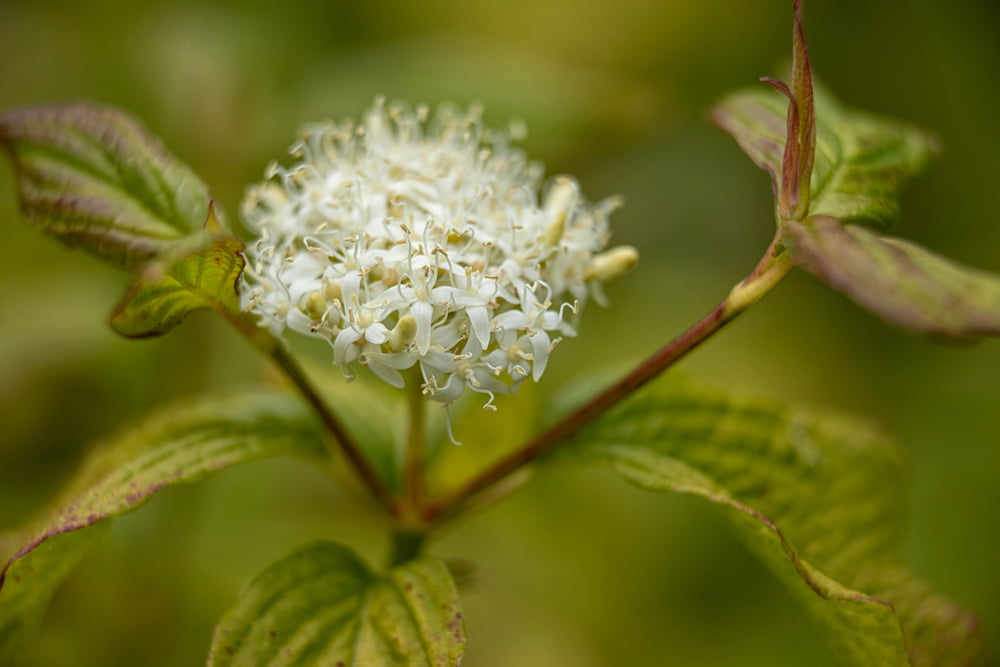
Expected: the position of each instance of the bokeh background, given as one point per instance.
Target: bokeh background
(577, 568)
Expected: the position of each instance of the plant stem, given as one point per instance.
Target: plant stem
(406, 545)
(411, 504)
(273, 348)
(768, 272)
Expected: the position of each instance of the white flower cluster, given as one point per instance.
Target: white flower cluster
(414, 242)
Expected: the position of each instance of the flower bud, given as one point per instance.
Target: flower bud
(612, 263)
(404, 333)
(316, 306)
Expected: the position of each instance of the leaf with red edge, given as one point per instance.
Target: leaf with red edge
(899, 281)
(94, 176)
(181, 444)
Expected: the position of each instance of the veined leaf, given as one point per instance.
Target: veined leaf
(178, 445)
(816, 495)
(321, 605)
(861, 162)
(897, 280)
(185, 279)
(93, 176)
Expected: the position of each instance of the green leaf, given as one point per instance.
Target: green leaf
(178, 445)
(814, 494)
(861, 162)
(899, 281)
(321, 605)
(185, 279)
(94, 177)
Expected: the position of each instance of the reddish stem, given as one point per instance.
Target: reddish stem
(345, 442)
(772, 267)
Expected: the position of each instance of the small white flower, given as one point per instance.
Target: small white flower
(405, 241)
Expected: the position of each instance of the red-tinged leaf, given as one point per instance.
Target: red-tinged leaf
(178, 445)
(899, 281)
(790, 163)
(805, 134)
(93, 176)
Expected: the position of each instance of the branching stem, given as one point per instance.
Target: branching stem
(768, 272)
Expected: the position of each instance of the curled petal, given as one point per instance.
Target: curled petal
(512, 319)
(540, 344)
(386, 373)
(479, 318)
(299, 322)
(376, 333)
(344, 349)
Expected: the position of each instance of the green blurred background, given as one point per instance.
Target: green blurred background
(576, 569)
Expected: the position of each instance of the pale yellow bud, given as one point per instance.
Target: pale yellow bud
(559, 203)
(404, 333)
(554, 231)
(332, 290)
(612, 263)
(316, 306)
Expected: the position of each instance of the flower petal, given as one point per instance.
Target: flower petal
(390, 375)
(479, 319)
(376, 333)
(540, 350)
(344, 349)
(422, 312)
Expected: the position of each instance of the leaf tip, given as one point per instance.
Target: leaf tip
(212, 223)
(780, 86)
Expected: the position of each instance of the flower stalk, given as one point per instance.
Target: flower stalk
(410, 506)
(345, 444)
